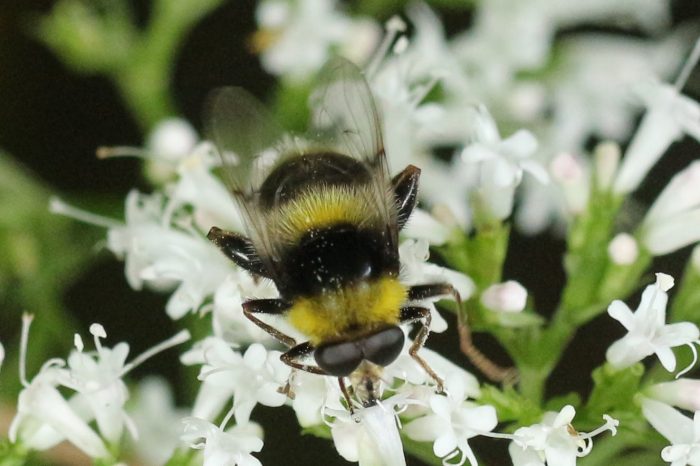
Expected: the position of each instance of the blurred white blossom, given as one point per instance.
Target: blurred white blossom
(682, 393)
(673, 221)
(297, 36)
(681, 431)
(230, 447)
(669, 116)
(157, 419)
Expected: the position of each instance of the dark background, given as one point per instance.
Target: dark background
(51, 120)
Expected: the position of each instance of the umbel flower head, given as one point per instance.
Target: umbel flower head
(45, 417)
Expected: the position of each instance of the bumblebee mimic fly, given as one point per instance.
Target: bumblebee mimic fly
(323, 218)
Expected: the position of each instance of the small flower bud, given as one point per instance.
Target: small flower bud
(509, 296)
(172, 139)
(565, 168)
(623, 249)
(607, 159)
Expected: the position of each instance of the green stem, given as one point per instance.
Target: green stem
(532, 383)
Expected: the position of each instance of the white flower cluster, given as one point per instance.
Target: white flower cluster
(593, 85)
(46, 417)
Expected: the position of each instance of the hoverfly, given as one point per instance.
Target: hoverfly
(323, 217)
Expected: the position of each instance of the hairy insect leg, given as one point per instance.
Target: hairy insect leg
(268, 306)
(489, 368)
(411, 314)
(405, 186)
(239, 249)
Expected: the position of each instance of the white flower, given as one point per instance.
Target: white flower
(683, 393)
(673, 221)
(683, 433)
(669, 116)
(196, 186)
(623, 249)
(228, 320)
(374, 440)
(501, 163)
(422, 225)
(451, 423)
(2, 354)
(648, 332)
(232, 447)
(165, 256)
(251, 378)
(157, 420)
(415, 270)
(554, 441)
(312, 395)
(45, 418)
(509, 296)
(298, 36)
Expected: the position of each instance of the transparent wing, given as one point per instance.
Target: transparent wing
(345, 114)
(249, 142)
(345, 118)
(246, 137)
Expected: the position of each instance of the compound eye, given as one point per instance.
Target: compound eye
(338, 359)
(383, 347)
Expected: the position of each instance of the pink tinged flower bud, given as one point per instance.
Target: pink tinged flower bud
(682, 393)
(509, 296)
(623, 249)
(570, 173)
(2, 355)
(607, 160)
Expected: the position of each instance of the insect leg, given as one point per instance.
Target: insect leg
(239, 249)
(405, 186)
(346, 394)
(268, 306)
(489, 368)
(411, 314)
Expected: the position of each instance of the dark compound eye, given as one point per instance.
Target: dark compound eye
(383, 347)
(339, 359)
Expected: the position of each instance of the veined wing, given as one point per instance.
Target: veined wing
(345, 118)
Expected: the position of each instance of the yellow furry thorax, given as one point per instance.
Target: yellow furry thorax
(333, 315)
(321, 207)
